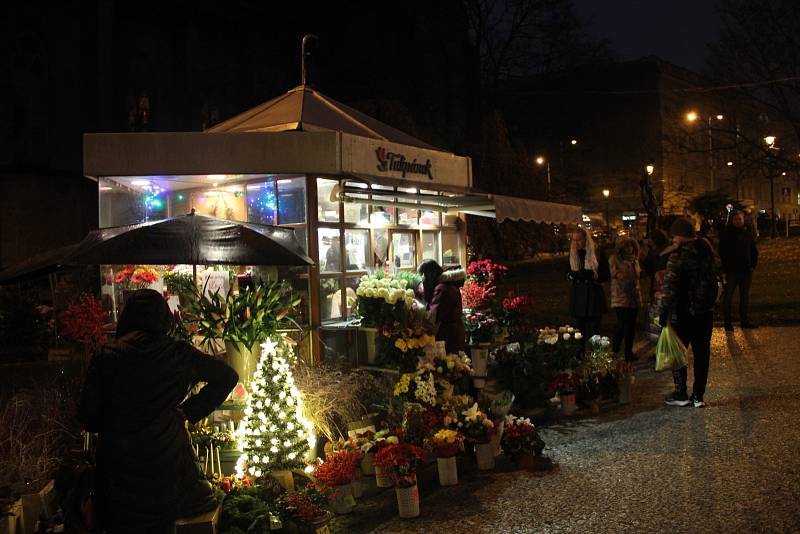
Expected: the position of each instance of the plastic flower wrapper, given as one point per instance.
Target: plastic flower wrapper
(446, 442)
(501, 404)
(481, 327)
(475, 425)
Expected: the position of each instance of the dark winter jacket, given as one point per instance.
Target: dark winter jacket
(737, 250)
(587, 297)
(690, 283)
(146, 470)
(446, 311)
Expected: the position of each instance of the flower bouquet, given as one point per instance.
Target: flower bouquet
(475, 296)
(401, 461)
(383, 299)
(563, 386)
(447, 369)
(351, 450)
(477, 428)
(481, 327)
(486, 272)
(521, 441)
(305, 508)
(596, 366)
(335, 475)
(417, 387)
(131, 277)
(370, 443)
(83, 322)
(560, 347)
(447, 443)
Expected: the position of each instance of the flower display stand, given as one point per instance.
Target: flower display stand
(368, 464)
(341, 501)
(484, 454)
(568, 404)
(369, 336)
(408, 501)
(625, 385)
(382, 480)
(284, 478)
(448, 471)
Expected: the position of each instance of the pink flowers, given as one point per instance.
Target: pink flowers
(516, 304)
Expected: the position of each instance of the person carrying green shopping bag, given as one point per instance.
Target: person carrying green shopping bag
(670, 350)
(688, 297)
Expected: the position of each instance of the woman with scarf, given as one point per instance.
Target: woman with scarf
(443, 302)
(587, 300)
(135, 397)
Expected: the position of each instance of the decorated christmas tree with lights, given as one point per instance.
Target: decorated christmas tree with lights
(274, 433)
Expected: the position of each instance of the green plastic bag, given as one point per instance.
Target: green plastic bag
(670, 350)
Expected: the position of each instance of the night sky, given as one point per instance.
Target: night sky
(674, 30)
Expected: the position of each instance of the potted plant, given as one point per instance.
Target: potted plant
(478, 428)
(446, 443)
(521, 441)
(335, 475)
(563, 385)
(242, 321)
(181, 284)
(597, 364)
(401, 461)
(625, 372)
(305, 508)
(350, 449)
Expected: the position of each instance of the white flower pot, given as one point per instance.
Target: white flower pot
(480, 359)
(368, 464)
(408, 501)
(448, 471)
(382, 480)
(484, 453)
(342, 501)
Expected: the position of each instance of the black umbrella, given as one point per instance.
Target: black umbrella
(191, 239)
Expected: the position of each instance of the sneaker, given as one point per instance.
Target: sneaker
(749, 325)
(698, 401)
(678, 399)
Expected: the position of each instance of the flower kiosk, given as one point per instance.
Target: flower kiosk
(358, 194)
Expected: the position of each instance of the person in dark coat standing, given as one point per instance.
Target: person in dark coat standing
(134, 397)
(443, 302)
(739, 255)
(687, 302)
(587, 300)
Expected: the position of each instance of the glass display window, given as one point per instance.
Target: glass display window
(330, 251)
(430, 246)
(327, 203)
(354, 212)
(429, 217)
(291, 200)
(262, 203)
(451, 248)
(406, 216)
(404, 254)
(382, 214)
(226, 202)
(351, 301)
(331, 304)
(380, 248)
(356, 245)
(120, 204)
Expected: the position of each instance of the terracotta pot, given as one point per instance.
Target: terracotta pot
(484, 453)
(368, 464)
(408, 501)
(382, 480)
(341, 501)
(448, 471)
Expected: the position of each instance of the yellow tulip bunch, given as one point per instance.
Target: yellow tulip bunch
(405, 344)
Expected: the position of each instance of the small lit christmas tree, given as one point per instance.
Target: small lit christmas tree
(274, 433)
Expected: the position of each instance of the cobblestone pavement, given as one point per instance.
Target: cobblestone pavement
(731, 467)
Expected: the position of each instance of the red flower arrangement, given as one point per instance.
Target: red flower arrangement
(517, 304)
(475, 296)
(83, 321)
(303, 505)
(135, 277)
(486, 272)
(564, 383)
(520, 437)
(338, 468)
(401, 460)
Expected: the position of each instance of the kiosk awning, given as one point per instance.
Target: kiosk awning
(526, 209)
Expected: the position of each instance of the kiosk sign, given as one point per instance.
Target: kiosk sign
(396, 162)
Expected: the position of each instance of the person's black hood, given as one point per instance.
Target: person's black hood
(145, 311)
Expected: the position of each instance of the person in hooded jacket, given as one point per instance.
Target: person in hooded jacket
(135, 398)
(626, 295)
(443, 302)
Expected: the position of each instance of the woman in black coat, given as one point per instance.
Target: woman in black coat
(588, 269)
(443, 299)
(134, 397)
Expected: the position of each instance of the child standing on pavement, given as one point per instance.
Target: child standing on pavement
(626, 295)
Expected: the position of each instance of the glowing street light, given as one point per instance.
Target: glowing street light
(691, 116)
(606, 194)
(770, 140)
(650, 168)
(540, 160)
(574, 142)
(730, 164)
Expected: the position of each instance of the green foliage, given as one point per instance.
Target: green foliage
(412, 279)
(524, 371)
(178, 283)
(247, 317)
(242, 510)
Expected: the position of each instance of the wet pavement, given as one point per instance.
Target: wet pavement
(733, 466)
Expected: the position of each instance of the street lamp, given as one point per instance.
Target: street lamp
(574, 142)
(650, 168)
(692, 117)
(770, 141)
(606, 194)
(540, 160)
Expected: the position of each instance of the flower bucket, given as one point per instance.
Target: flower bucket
(479, 383)
(484, 453)
(480, 358)
(496, 437)
(368, 464)
(284, 478)
(408, 501)
(341, 500)
(448, 471)
(243, 361)
(318, 525)
(525, 460)
(358, 486)
(382, 480)
(625, 383)
(369, 337)
(568, 405)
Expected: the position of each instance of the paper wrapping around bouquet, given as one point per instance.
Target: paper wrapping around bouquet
(484, 453)
(342, 501)
(480, 359)
(448, 471)
(408, 501)
(382, 480)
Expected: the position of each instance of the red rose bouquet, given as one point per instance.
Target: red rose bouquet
(401, 460)
(83, 321)
(486, 272)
